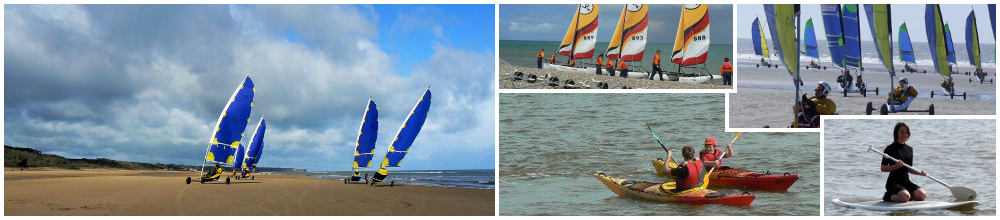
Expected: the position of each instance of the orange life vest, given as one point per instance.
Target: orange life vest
(611, 63)
(726, 67)
(656, 59)
(621, 65)
(711, 156)
(600, 61)
(696, 172)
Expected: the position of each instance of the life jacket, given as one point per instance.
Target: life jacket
(572, 62)
(621, 65)
(656, 59)
(706, 156)
(600, 61)
(541, 54)
(611, 64)
(727, 67)
(553, 59)
(696, 176)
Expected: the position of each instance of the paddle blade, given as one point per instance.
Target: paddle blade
(963, 193)
(736, 137)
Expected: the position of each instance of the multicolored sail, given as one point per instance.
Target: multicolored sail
(812, 49)
(834, 33)
(784, 25)
(408, 131)
(581, 37)
(972, 40)
(629, 39)
(365, 148)
(936, 39)
(231, 124)
(256, 147)
(905, 47)
(759, 40)
(950, 44)
(880, 22)
(852, 35)
(691, 44)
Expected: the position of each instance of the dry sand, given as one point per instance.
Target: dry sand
(765, 96)
(124, 192)
(507, 70)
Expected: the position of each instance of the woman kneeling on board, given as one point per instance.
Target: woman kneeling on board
(898, 186)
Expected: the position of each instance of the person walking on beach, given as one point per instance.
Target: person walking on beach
(611, 66)
(898, 186)
(727, 72)
(599, 63)
(710, 155)
(622, 69)
(656, 66)
(818, 105)
(902, 95)
(541, 56)
(690, 173)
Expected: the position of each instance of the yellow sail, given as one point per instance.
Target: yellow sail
(691, 44)
(629, 40)
(581, 37)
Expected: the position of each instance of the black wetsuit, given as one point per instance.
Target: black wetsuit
(899, 179)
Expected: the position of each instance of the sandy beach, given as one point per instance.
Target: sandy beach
(508, 70)
(125, 192)
(765, 95)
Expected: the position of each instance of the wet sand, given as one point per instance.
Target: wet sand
(124, 192)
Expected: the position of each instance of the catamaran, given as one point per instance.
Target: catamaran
(249, 162)
(580, 39)
(228, 131)
(691, 45)
(365, 147)
(812, 49)
(629, 40)
(760, 44)
(906, 50)
(843, 33)
(405, 137)
(972, 46)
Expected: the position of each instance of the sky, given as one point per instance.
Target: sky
(147, 83)
(912, 14)
(550, 22)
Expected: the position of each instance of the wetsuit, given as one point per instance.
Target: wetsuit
(899, 179)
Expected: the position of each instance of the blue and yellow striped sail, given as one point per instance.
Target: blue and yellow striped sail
(936, 39)
(256, 147)
(759, 41)
(408, 132)
(233, 121)
(880, 22)
(950, 44)
(972, 40)
(365, 148)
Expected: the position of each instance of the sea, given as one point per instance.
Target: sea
(551, 145)
(957, 152)
(483, 179)
(525, 53)
(869, 56)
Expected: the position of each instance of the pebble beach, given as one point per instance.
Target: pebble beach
(507, 72)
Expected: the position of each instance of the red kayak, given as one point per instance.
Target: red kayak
(742, 178)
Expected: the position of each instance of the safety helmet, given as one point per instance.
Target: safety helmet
(949, 78)
(711, 140)
(826, 87)
(904, 81)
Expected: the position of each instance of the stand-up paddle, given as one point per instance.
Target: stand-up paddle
(960, 193)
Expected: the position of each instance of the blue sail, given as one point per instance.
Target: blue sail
(238, 162)
(756, 33)
(834, 34)
(812, 49)
(972, 39)
(852, 35)
(232, 122)
(950, 44)
(993, 19)
(256, 147)
(408, 131)
(365, 148)
(936, 39)
(905, 47)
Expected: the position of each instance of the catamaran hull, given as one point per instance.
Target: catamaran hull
(699, 79)
(586, 70)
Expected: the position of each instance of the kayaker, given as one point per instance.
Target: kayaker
(902, 95)
(599, 63)
(816, 106)
(541, 56)
(727, 72)
(690, 173)
(710, 155)
(898, 186)
(656, 66)
(622, 69)
(611, 66)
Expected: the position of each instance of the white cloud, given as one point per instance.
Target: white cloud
(531, 28)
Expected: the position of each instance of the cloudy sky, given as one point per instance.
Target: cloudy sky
(912, 14)
(550, 22)
(148, 82)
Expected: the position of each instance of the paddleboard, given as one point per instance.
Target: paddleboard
(912, 205)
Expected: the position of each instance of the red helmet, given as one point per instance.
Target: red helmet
(711, 140)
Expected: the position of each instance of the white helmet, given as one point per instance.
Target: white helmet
(904, 80)
(826, 87)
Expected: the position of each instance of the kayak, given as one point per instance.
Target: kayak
(741, 178)
(656, 192)
(911, 205)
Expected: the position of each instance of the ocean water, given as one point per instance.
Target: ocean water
(551, 144)
(869, 56)
(525, 53)
(445, 178)
(957, 152)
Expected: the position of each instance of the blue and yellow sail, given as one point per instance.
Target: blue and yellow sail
(367, 134)
(408, 131)
(784, 23)
(936, 39)
(972, 40)
(950, 44)
(880, 22)
(905, 47)
(759, 40)
(231, 124)
(256, 147)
